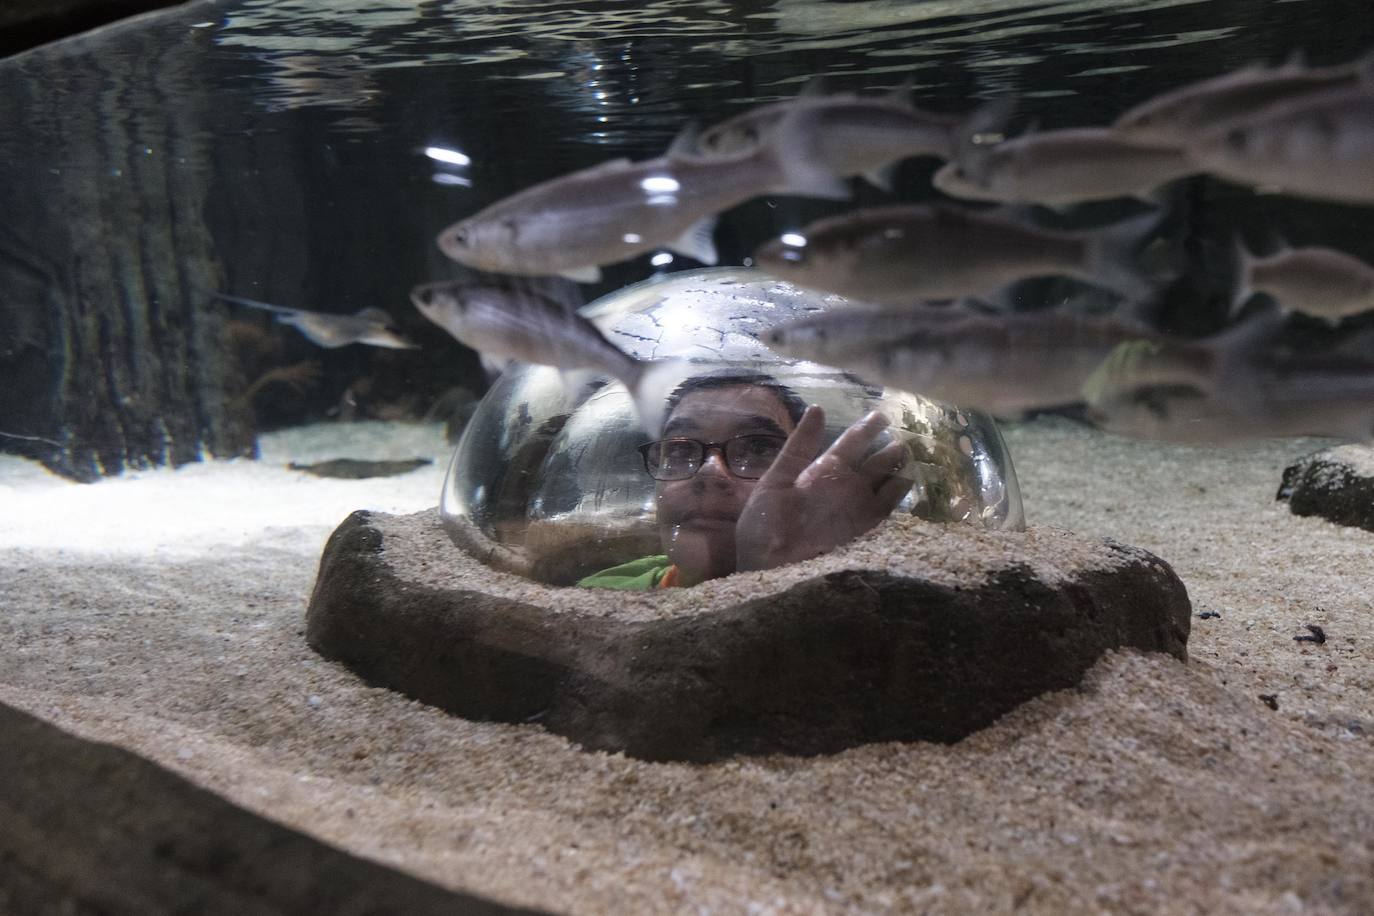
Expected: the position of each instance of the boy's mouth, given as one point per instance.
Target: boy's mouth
(707, 518)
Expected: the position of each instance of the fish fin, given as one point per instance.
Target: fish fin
(883, 177)
(1113, 256)
(588, 274)
(696, 242)
(649, 383)
(1241, 290)
(817, 87)
(373, 313)
(253, 303)
(1234, 348)
(686, 144)
(790, 146)
(574, 380)
(493, 365)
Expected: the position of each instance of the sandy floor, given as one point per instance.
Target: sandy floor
(1154, 787)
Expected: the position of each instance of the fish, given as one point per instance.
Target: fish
(1256, 387)
(1315, 146)
(1320, 282)
(1059, 168)
(1313, 395)
(509, 322)
(370, 326)
(1005, 364)
(611, 212)
(854, 134)
(1176, 117)
(907, 253)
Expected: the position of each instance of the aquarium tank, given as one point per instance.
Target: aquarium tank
(984, 295)
(308, 155)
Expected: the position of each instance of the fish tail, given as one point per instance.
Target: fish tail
(972, 138)
(1235, 348)
(1114, 257)
(1243, 286)
(791, 149)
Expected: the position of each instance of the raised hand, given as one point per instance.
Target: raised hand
(806, 505)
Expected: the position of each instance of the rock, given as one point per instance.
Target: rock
(92, 828)
(1336, 484)
(360, 469)
(917, 631)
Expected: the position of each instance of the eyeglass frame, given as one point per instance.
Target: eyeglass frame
(706, 449)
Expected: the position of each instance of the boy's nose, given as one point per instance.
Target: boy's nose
(714, 463)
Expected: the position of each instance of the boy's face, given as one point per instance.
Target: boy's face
(696, 516)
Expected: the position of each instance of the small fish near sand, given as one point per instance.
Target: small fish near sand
(1315, 146)
(907, 253)
(1255, 394)
(370, 326)
(1175, 118)
(572, 225)
(506, 321)
(855, 134)
(1005, 364)
(1320, 282)
(1060, 168)
(360, 468)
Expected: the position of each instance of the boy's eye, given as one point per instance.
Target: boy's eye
(679, 450)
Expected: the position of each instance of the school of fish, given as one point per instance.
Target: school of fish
(925, 279)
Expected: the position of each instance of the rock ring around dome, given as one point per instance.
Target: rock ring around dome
(947, 615)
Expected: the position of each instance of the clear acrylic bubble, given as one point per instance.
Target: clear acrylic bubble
(547, 481)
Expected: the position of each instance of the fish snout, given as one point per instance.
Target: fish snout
(423, 297)
(458, 241)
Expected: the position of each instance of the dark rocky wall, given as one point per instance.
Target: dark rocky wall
(109, 359)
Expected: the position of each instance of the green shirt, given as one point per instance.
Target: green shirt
(637, 575)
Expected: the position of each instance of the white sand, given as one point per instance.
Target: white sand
(135, 612)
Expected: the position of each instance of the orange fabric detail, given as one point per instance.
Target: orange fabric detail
(669, 578)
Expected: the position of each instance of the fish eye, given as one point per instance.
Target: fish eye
(1236, 138)
(461, 237)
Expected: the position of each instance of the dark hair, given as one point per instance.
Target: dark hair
(734, 378)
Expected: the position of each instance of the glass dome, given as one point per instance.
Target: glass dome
(546, 480)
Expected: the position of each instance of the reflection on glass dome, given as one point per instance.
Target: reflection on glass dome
(547, 480)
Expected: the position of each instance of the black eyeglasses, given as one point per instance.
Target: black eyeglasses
(677, 459)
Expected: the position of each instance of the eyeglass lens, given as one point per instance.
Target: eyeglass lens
(677, 459)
